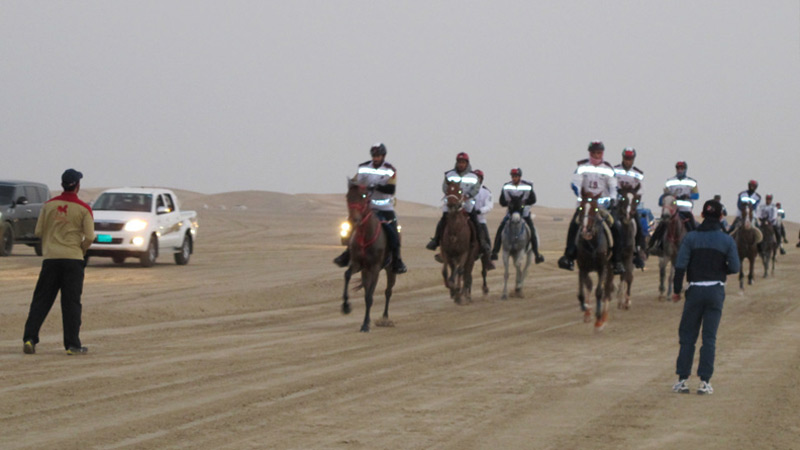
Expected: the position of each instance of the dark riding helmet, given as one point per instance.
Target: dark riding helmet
(596, 145)
(753, 183)
(629, 152)
(769, 196)
(378, 150)
(681, 164)
(479, 173)
(516, 171)
(463, 156)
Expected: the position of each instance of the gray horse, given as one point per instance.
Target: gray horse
(516, 244)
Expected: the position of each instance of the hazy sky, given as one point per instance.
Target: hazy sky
(288, 96)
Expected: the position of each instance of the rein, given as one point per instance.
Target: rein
(361, 229)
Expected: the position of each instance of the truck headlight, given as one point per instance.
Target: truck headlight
(345, 229)
(137, 241)
(135, 225)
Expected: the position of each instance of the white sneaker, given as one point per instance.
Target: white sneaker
(705, 388)
(681, 387)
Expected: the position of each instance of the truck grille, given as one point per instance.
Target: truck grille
(108, 226)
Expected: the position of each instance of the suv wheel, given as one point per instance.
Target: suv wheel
(8, 241)
(148, 257)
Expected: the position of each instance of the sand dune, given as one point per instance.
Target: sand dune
(246, 348)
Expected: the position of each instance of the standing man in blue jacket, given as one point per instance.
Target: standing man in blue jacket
(706, 256)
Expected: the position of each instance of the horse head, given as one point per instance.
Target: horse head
(358, 198)
(454, 196)
(515, 208)
(747, 216)
(669, 206)
(628, 204)
(587, 215)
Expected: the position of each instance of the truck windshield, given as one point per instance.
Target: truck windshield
(5, 194)
(116, 201)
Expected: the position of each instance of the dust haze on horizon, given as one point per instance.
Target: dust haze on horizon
(214, 96)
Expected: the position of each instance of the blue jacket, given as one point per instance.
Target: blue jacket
(706, 254)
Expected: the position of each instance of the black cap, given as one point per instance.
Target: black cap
(712, 209)
(70, 178)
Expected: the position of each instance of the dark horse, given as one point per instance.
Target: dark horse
(594, 255)
(369, 251)
(629, 221)
(747, 238)
(673, 236)
(768, 248)
(460, 246)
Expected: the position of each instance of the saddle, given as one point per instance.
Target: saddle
(608, 221)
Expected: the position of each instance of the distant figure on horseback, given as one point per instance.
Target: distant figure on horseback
(747, 197)
(380, 177)
(781, 216)
(522, 190)
(596, 177)
(769, 224)
(723, 221)
(767, 213)
(684, 190)
(484, 203)
(630, 178)
(470, 186)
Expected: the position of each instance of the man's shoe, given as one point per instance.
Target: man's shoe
(77, 350)
(705, 388)
(29, 348)
(399, 266)
(432, 245)
(618, 268)
(342, 260)
(783, 252)
(681, 387)
(539, 259)
(638, 262)
(494, 256)
(566, 263)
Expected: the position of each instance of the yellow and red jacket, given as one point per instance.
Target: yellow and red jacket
(66, 227)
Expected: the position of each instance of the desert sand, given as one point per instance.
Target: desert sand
(246, 347)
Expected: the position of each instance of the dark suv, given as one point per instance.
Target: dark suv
(20, 203)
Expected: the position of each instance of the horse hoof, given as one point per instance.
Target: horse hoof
(384, 323)
(365, 329)
(485, 290)
(587, 316)
(599, 326)
(346, 308)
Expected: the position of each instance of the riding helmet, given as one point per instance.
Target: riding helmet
(463, 156)
(479, 173)
(753, 183)
(516, 171)
(680, 164)
(596, 145)
(629, 152)
(378, 149)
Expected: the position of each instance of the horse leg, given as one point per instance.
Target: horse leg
(750, 274)
(369, 280)
(662, 274)
(345, 303)
(601, 314)
(584, 282)
(384, 321)
(505, 276)
(483, 274)
(629, 283)
(671, 278)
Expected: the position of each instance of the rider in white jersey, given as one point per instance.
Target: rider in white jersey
(483, 204)
(380, 177)
(631, 177)
(768, 213)
(745, 198)
(684, 190)
(518, 188)
(595, 176)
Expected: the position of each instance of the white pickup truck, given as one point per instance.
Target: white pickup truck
(142, 223)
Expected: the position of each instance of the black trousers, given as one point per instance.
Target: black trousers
(65, 275)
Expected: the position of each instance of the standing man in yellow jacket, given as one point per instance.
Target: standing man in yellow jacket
(66, 228)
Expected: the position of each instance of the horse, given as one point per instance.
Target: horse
(768, 248)
(594, 255)
(629, 221)
(516, 244)
(673, 236)
(369, 250)
(746, 237)
(459, 246)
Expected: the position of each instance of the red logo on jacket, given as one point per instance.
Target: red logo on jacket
(62, 209)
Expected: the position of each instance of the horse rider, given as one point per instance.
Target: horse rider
(483, 204)
(746, 197)
(781, 217)
(684, 189)
(380, 177)
(768, 213)
(595, 176)
(470, 186)
(630, 176)
(723, 221)
(518, 188)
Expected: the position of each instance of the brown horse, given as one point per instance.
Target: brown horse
(673, 236)
(747, 239)
(459, 246)
(629, 221)
(768, 248)
(368, 253)
(594, 255)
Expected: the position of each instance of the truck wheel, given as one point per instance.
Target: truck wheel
(182, 257)
(148, 258)
(8, 241)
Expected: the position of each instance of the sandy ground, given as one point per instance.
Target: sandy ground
(246, 348)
